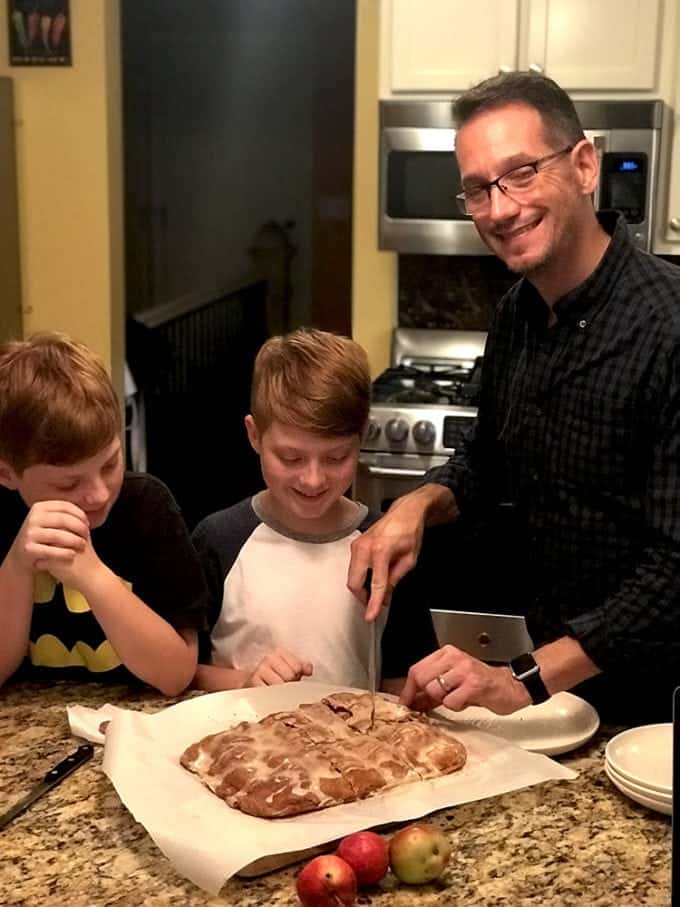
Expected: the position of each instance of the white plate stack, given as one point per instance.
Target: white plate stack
(640, 763)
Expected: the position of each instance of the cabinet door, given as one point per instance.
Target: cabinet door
(671, 229)
(607, 44)
(448, 45)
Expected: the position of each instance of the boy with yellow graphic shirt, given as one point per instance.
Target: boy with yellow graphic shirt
(98, 578)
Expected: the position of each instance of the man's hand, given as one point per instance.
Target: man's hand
(279, 666)
(52, 530)
(390, 548)
(455, 679)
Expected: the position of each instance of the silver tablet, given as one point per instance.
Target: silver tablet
(489, 637)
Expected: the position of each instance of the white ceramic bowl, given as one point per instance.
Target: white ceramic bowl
(651, 802)
(559, 725)
(637, 788)
(644, 755)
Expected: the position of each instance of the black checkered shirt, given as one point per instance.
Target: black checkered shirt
(578, 435)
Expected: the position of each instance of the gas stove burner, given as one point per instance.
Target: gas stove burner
(451, 374)
(400, 375)
(412, 395)
(433, 384)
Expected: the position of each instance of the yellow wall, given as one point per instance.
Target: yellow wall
(374, 273)
(68, 136)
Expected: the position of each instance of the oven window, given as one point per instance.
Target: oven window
(422, 185)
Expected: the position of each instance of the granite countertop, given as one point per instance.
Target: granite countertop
(562, 843)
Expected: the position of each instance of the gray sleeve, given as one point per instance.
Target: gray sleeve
(218, 539)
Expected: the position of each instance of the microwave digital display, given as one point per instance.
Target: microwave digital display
(624, 184)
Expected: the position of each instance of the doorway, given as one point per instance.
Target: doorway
(238, 138)
(238, 149)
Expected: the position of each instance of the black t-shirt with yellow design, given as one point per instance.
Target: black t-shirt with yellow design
(146, 544)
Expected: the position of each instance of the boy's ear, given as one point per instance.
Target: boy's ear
(253, 433)
(8, 477)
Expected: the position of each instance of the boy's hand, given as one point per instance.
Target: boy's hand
(52, 530)
(279, 666)
(78, 571)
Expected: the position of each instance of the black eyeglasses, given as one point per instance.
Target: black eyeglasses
(516, 183)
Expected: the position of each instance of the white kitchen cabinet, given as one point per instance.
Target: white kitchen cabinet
(448, 45)
(671, 228)
(587, 45)
(592, 46)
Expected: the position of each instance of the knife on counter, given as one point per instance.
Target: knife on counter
(55, 776)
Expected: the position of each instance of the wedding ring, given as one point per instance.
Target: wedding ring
(442, 684)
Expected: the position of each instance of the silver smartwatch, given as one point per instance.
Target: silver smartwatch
(525, 668)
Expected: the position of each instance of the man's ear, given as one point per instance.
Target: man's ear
(8, 476)
(587, 166)
(253, 433)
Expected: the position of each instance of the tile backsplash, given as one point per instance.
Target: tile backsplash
(457, 292)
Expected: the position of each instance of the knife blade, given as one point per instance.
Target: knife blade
(55, 776)
(372, 668)
(372, 646)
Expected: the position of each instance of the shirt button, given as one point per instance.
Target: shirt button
(583, 323)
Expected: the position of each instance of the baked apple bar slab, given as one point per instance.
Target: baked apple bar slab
(322, 754)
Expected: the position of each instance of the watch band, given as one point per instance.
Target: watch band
(525, 668)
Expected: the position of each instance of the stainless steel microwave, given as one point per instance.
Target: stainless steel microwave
(419, 177)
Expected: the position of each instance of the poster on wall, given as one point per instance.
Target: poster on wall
(39, 32)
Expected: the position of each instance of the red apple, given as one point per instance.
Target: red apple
(327, 881)
(419, 853)
(367, 854)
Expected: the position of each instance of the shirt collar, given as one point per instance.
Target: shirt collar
(589, 296)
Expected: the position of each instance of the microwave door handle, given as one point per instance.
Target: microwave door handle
(395, 472)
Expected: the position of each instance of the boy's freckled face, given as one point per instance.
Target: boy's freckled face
(306, 474)
(93, 484)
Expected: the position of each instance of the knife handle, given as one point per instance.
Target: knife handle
(69, 764)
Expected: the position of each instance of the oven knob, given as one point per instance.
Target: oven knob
(397, 430)
(423, 432)
(372, 430)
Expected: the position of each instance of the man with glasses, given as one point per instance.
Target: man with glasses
(577, 434)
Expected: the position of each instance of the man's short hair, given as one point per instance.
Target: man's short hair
(312, 380)
(561, 124)
(57, 403)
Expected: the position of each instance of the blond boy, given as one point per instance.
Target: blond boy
(98, 578)
(276, 563)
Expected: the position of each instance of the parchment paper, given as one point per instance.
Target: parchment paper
(207, 841)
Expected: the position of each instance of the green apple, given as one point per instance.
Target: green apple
(419, 853)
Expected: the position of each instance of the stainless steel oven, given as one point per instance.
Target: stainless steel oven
(382, 478)
(419, 177)
(422, 406)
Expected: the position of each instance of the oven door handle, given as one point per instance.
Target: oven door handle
(395, 472)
